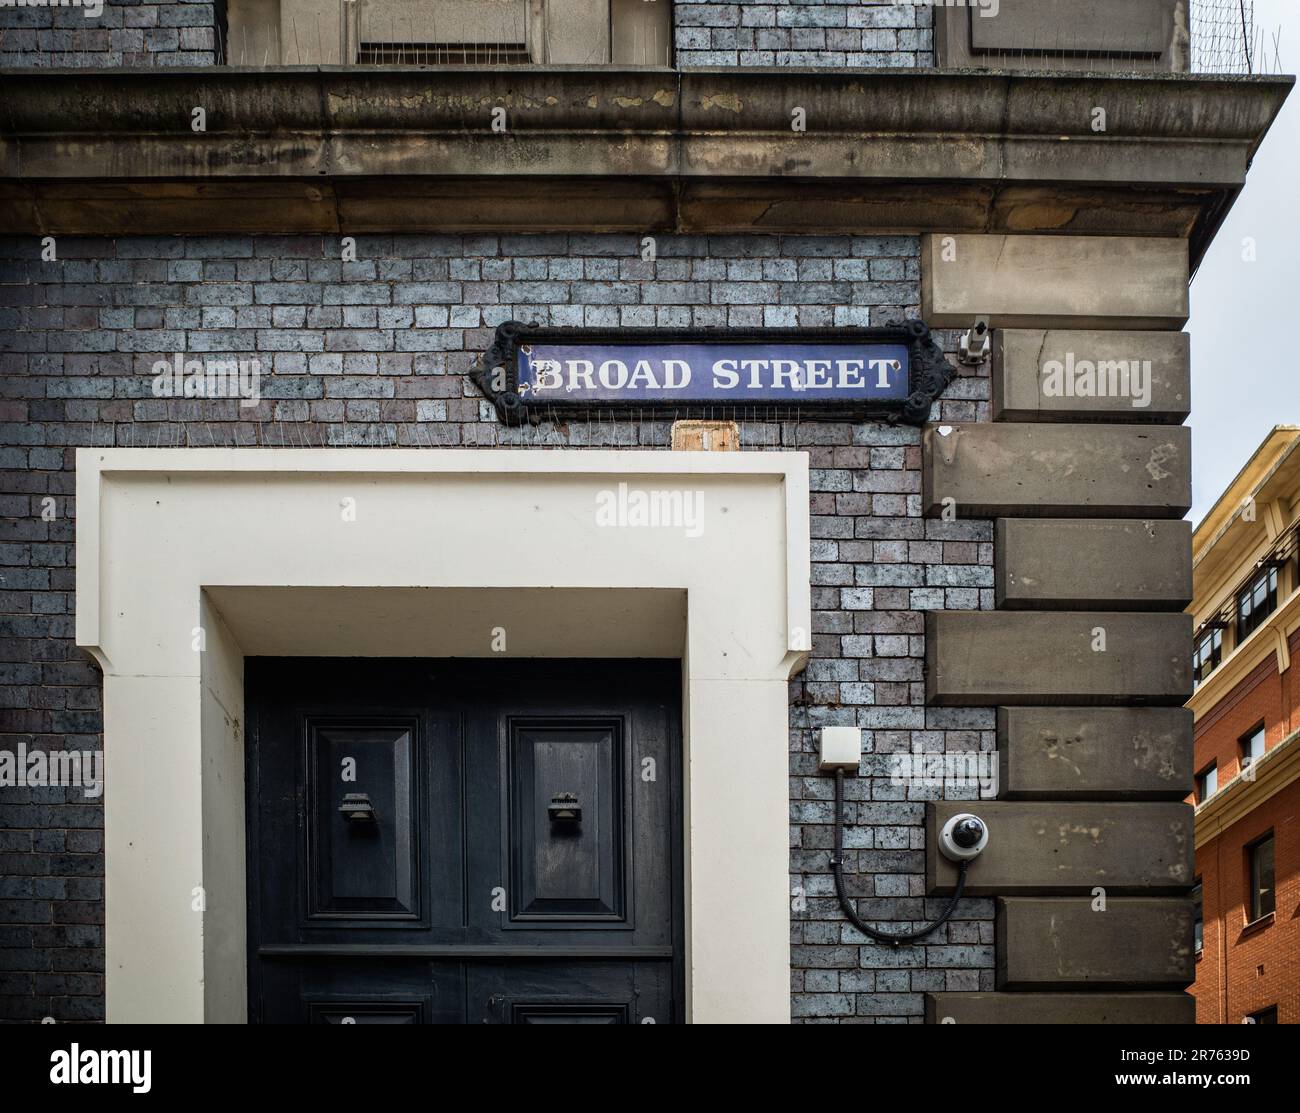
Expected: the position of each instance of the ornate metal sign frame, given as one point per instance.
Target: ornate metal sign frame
(496, 372)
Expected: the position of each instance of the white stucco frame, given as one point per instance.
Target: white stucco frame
(253, 551)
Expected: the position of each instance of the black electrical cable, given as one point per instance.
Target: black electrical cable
(837, 865)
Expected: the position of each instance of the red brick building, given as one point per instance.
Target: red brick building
(1247, 704)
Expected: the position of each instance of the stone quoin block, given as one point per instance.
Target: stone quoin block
(978, 470)
(1076, 942)
(1070, 375)
(1061, 563)
(1070, 282)
(991, 658)
(1094, 753)
(1050, 848)
(1060, 1008)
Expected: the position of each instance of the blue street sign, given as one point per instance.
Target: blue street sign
(726, 372)
(894, 373)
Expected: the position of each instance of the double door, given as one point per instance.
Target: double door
(437, 841)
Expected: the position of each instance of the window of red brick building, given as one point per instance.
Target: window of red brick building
(1262, 892)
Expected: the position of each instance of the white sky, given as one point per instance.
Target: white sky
(1245, 322)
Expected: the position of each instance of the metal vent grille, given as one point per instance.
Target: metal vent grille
(442, 54)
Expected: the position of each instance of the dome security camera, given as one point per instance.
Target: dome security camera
(963, 837)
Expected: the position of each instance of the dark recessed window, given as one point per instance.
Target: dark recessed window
(1262, 893)
(1255, 602)
(1207, 783)
(1208, 655)
(1252, 747)
(1198, 918)
(1264, 1016)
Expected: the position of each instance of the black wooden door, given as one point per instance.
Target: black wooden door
(464, 841)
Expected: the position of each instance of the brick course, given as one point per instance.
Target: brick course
(163, 33)
(841, 34)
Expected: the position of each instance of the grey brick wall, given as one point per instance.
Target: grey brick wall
(816, 33)
(374, 353)
(125, 33)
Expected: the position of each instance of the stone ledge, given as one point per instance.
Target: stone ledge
(1060, 1008)
(888, 150)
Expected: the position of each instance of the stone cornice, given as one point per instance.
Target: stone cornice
(381, 149)
(1226, 541)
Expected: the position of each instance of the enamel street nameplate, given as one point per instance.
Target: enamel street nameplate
(530, 371)
(550, 372)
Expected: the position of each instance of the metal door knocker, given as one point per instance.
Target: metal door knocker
(564, 810)
(356, 808)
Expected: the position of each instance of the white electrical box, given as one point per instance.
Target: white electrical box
(841, 748)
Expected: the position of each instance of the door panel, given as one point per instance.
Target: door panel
(566, 856)
(483, 842)
(568, 1014)
(571, 993)
(365, 1012)
(360, 990)
(362, 861)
